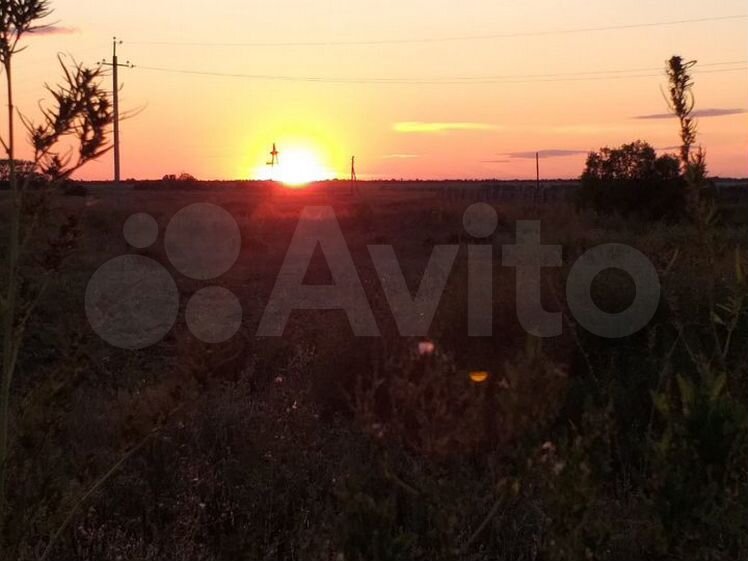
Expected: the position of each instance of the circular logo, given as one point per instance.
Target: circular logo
(480, 220)
(132, 302)
(140, 230)
(202, 241)
(213, 315)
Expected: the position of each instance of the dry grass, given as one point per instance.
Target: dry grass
(318, 445)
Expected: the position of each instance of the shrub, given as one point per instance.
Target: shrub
(633, 180)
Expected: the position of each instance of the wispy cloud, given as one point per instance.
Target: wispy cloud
(400, 156)
(55, 30)
(496, 161)
(712, 112)
(429, 127)
(582, 129)
(552, 153)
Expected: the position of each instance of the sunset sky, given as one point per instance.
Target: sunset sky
(408, 86)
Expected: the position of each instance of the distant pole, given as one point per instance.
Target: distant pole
(353, 174)
(537, 176)
(115, 104)
(274, 161)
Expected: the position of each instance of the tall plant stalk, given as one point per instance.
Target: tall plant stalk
(81, 109)
(681, 102)
(11, 34)
(9, 303)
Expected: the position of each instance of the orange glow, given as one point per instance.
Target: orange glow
(296, 167)
(465, 109)
(479, 376)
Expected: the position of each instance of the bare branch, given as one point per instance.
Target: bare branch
(81, 108)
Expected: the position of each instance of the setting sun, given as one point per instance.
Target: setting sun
(295, 166)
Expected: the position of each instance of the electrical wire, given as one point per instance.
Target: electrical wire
(446, 39)
(736, 66)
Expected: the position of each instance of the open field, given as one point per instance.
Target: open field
(322, 445)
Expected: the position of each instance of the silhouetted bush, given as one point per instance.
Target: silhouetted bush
(633, 180)
(25, 170)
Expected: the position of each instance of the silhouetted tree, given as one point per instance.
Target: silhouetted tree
(632, 179)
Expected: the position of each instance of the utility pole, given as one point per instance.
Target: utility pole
(115, 102)
(273, 161)
(537, 175)
(353, 175)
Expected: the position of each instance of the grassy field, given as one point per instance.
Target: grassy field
(322, 445)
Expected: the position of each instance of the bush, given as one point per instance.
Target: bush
(633, 180)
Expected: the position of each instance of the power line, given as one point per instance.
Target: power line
(446, 39)
(598, 72)
(506, 79)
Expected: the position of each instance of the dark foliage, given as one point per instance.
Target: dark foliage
(633, 180)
